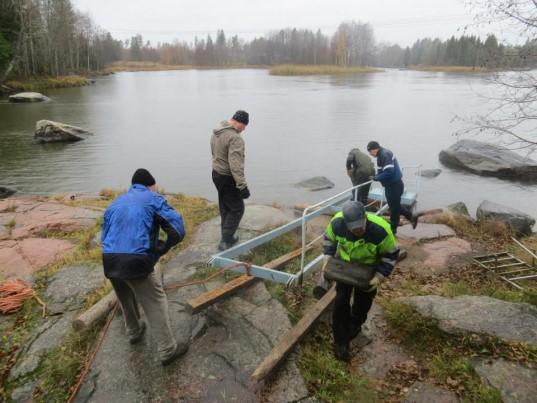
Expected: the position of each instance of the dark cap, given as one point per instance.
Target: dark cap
(143, 177)
(242, 117)
(354, 214)
(373, 145)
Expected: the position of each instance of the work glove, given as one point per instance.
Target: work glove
(245, 193)
(326, 259)
(377, 279)
(373, 178)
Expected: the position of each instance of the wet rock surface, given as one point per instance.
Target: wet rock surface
(22, 258)
(316, 183)
(430, 173)
(516, 383)
(421, 392)
(378, 357)
(47, 131)
(489, 160)
(6, 192)
(231, 339)
(424, 232)
(459, 208)
(521, 222)
(516, 322)
(69, 286)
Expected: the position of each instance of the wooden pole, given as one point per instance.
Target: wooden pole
(293, 336)
(96, 312)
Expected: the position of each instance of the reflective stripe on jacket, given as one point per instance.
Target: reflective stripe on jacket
(377, 247)
(388, 167)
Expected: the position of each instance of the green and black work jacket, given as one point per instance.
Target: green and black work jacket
(377, 247)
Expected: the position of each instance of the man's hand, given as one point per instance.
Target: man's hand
(245, 193)
(373, 178)
(377, 279)
(349, 173)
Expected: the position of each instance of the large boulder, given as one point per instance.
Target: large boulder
(489, 160)
(28, 97)
(316, 183)
(520, 222)
(6, 192)
(479, 315)
(47, 131)
(430, 173)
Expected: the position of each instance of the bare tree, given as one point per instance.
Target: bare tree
(513, 116)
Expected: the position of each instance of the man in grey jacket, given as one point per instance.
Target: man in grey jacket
(227, 148)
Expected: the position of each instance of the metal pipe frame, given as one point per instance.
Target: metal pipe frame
(226, 258)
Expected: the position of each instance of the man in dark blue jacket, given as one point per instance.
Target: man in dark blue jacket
(131, 248)
(390, 176)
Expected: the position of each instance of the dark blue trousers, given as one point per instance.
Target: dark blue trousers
(393, 192)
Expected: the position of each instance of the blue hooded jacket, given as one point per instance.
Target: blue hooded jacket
(131, 226)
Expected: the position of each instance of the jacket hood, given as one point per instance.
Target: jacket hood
(223, 126)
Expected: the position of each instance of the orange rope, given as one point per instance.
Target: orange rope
(13, 294)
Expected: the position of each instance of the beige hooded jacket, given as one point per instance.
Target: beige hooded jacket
(227, 148)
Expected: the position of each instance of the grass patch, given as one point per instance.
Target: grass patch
(449, 69)
(307, 70)
(61, 366)
(10, 225)
(14, 332)
(134, 66)
(327, 378)
(447, 357)
(42, 83)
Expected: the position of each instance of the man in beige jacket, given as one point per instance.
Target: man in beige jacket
(227, 148)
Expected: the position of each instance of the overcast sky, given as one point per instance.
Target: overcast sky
(395, 21)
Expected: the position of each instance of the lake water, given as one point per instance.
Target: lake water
(299, 127)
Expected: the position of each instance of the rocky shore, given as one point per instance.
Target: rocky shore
(441, 327)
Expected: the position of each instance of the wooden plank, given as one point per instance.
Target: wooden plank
(211, 297)
(96, 312)
(293, 336)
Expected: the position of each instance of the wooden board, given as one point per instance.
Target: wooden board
(218, 294)
(293, 336)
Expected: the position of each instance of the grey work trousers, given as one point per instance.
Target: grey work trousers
(151, 296)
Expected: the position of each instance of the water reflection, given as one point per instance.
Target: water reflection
(300, 127)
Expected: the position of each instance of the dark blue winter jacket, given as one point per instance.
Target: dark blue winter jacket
(389, 171)
(130, 236)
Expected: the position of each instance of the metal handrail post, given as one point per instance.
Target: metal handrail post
(306, 211)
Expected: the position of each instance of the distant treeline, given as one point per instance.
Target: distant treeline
(40, 38)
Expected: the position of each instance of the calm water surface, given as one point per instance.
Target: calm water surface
(299, 127)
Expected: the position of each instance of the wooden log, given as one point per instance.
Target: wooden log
(292, 337)
(211, 297)
(96, 312)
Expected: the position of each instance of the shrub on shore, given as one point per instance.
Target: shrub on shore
(306, 70)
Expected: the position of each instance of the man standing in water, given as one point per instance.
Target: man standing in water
(360, 169)
(390, 176)
(227, 148)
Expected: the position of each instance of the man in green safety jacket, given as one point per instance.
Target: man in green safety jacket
(355, 236)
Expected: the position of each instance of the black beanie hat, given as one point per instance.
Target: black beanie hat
(241, 116)
(373, 145)
(143, 177)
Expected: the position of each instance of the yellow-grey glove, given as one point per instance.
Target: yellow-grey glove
(375, 281)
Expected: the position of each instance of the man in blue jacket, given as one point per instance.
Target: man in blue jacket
(131, 248)
(390, 176)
